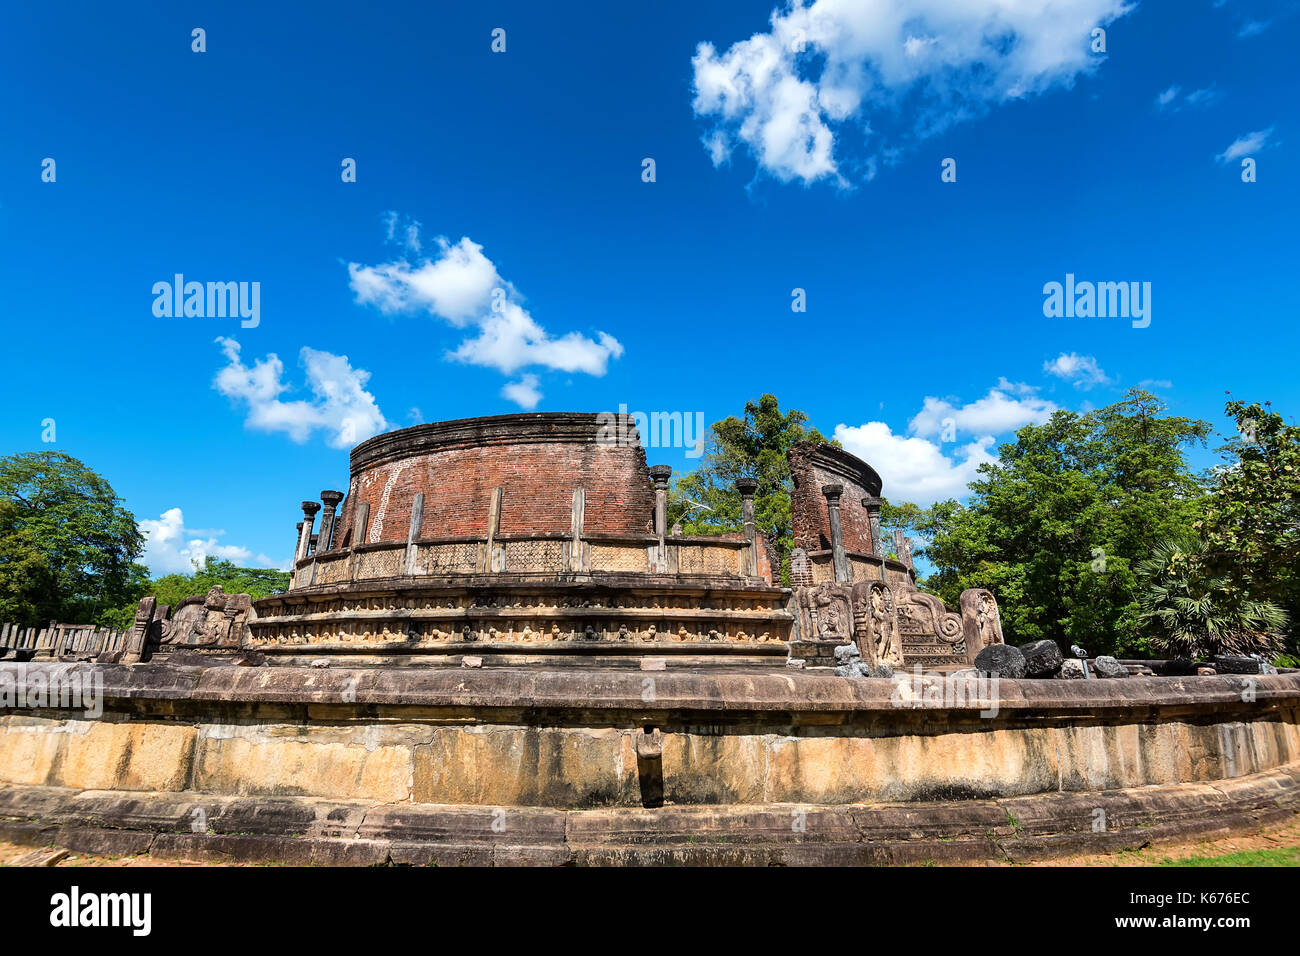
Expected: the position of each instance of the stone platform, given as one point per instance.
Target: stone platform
(416, 764)
(305, 831)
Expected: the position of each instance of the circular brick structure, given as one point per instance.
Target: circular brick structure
(537, 460)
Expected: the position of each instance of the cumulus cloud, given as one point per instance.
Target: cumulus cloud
(1007, 406)
(523, 393)
(171, 548)
(1245, 145)
(340, 405)
(915, 467)
(895, 71)
(461, 286)
(1082, 371)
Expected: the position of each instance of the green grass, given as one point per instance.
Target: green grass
(1283, 856)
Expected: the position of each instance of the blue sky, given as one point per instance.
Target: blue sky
(522, 171)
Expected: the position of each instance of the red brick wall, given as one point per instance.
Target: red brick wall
(811, 469)
(537, 481)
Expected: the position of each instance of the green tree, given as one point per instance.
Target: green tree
(1055, 526)
(1195, 612)
(67, 545)
(1252, 515)
(706, 502)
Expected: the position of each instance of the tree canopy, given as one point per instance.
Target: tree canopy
(67, 544)
(705, 501)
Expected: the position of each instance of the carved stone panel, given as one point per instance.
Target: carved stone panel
(826, 613)
(876, 617)
(215, 620)
(981, 621)
(928, 630)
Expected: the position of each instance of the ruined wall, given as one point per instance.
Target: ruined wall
(537, 460)
(813, 466)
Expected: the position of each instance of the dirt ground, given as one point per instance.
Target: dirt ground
(1272, 839)
(1282, 837)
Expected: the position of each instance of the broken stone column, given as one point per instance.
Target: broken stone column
(494, 554)
(838, 557)
(747, 487)
(328, 517)
(309, 509)
(414, 531)
(577, 519)
(904, 549)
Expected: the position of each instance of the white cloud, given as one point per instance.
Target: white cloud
(341, 407)
(1172, 101)
(902, 70)
(915, 468)
(1253, 28)
(997, 413)
(462, 287)
(1082, 371)
(523, 393)
(171, 548)
(1245, 145)
(1155, 383)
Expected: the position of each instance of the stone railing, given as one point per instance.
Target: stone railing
(541, 555)
(82, 641)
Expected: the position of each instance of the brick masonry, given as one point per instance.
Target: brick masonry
(812, 466)
(537, 460)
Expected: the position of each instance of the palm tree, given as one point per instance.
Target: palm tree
(1195, 613)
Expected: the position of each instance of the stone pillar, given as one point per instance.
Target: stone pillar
(873, 524)
(328, 517)
(904, 549)
(872, 506)
(838, 557)
(493, 561)
(660, 474)
(747, 487)
(414, 531)
(362, 526)
(577, 520)
(309, 509)
(297, 539)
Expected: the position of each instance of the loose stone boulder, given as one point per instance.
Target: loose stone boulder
(1001, 660)
(882, 670)
(1042, 658)
(1106, 666)
(1178, 667)
(1071, 669)
(1235, 664)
